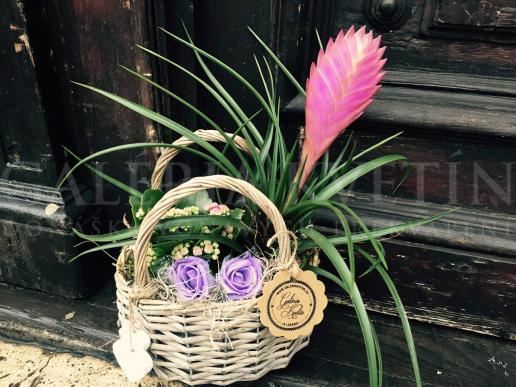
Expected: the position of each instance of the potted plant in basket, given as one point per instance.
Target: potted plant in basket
(193, 270)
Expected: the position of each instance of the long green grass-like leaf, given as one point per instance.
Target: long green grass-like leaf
(230, 71)
(337, 168)
(234, 105)
(178, 237)
(326, 274)
(345, 275)
(401, 311)
(199, 80)
(102, 248)
(292, 195)
(357, 172)
(147, 145)
(340, 157)
(268, 91)
(319, 39)
(377, 233)
(374, 243)
(371, 268)
(334, 172)
(284, 178)
(347, 233)
(181, 130)
(378, 355)
(375, 146)
(190, 221)
(117, 183)
(279, 134)
(182, 101)
(270, 136)
(163, 241)
(197, 111)
(249, 171)
(279, 63)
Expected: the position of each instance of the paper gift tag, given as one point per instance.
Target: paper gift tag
(134, 360)
(291, 306)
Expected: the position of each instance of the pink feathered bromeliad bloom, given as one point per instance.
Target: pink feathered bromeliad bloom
(340, 87)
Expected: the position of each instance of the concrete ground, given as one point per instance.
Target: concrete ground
(24, 365)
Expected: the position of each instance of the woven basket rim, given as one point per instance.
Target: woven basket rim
(120, 279)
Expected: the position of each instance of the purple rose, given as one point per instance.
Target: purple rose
(191, 278)
(241, 277)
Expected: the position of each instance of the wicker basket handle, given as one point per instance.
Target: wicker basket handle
(169, 153)
(198, 184)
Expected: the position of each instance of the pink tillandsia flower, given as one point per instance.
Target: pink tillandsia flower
(339, 89)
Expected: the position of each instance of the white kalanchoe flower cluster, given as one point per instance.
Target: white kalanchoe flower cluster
(210, 248)
(228, 232)
(180, 251)
(179, 212)
(205, 248)
(151, 256)
(140, 214)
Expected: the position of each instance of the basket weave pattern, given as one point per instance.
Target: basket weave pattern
(188, 348)
(204, 342)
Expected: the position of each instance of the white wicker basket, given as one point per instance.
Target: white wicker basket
(203, 342)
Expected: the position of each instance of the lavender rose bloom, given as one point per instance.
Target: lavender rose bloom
(191, 278)
(241, 277)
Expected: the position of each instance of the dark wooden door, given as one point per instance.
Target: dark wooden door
(450, 86)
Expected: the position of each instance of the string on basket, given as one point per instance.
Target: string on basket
(135, 294)
(291, 265)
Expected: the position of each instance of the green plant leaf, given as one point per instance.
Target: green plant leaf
(135, 203)
(237, 213)
(234, 105)
(150, 198)
(377, 233)
(230, 71)
(279, 63)
(326, 274)
(345, 275)
(336, 170)
(114, 245)
(166, 242)
(125, 147)
(190, 221)
(357, 172)
(193, 108)
(319, 39)
(168, 123)
(378, 355)
(374, 243)
(170, 240)
(109, 179)
(284, 179)
(375, 146)
(217, 97)
(401, 312)
(371, 268)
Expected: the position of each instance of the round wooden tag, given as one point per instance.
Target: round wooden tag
(292, 306)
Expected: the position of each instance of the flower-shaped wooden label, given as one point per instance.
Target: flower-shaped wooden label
(291, 306)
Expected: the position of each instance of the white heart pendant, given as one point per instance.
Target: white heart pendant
(135, 362)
